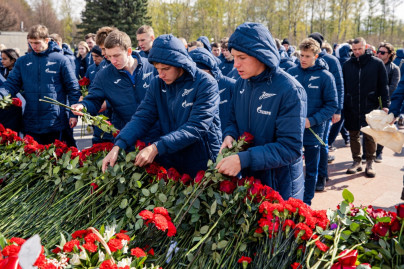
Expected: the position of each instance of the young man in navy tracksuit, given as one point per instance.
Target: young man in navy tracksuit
(321, 105)
(271, 105)
(205, 61)
(44, 72)
(123, 83)
(185, 100)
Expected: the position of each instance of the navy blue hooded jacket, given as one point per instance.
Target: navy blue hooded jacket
(335, 69)
(48, 73)
(207, 46)
(226, 85)
(69, 54)
(397, 99)
(188, 111)
(272, 107)
(117, 88)
(144, 54)
(81, 66)
(321, 97)
(286, 63)
(92, 70)
(343, 53)
(233, 74)
(399, 57)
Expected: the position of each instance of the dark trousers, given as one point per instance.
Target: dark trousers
(311, 159)
(356, 149)
(338, 128)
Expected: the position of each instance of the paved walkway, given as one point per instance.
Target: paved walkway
(383, 191)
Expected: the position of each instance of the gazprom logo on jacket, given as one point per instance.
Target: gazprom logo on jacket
(50, 71)
(145, 85)
(185, 104)
(266, 95)
(146, 75)
(312, 86)
(264, 112)
(186, 92)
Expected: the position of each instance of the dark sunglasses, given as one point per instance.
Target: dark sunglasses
(381, 52)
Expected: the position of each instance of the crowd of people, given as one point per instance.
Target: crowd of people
(189, 101)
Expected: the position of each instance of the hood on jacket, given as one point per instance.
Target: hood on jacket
(167, 49)
(318, 65)
(205, 42)
(255, 40)
(67, 50)
(400, 53)
(343, 51)
(282, 52)
(52, 47)
(204, 57)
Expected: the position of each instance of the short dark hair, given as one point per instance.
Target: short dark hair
(118, 39)
(145, 29)
(225, 44)
(390, 49)
(38, 31)
(89, 35)
(215, 45)
(102, 34)
(359, 40)
(56, 37)
(310, 44)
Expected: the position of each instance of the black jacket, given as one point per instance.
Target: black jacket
(365, 80)
(393, 76)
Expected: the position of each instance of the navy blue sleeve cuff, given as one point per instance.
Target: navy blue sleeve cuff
(244, 159)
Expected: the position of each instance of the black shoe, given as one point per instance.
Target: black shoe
(331, 148)
(320, 186)
(331, 158)
(379, 158)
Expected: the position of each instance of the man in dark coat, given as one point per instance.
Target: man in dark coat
(365, 81)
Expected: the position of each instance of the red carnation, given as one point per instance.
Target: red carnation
(152, 169)
(108, 264)
(84, 82)
(123, 231)
(69, 246)
(321, 246)
(2, 129)
(289, 223)
(306, 229)
(114, 244)
(199, 176)
(296, 265)
(400, 210)
(90, 247)
(161, 210)
(17, 240)
(140, 145)
(162, 173)
(17, 102)
(138, 252)
(244, 259)
(185, 179)
(173, 174)
(91, 238)
(151, 251)
(248, 138)
(161, 222)
(79, 234)
(122, 236)
(381, 228)
(172, 230)
(146, 215)
(227, 186)
(11, 250)
(56, 250)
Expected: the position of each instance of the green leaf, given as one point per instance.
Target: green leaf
(138, 224)
(204, 229)
(348, 196)
(124, 203)
(137, 176)
(213, 208)
(222, 244)
(162, 197)
(382, 243)
(243, 247)
(62, 240)
(190, 257)
(195, 218)
(384, 219)
(399, 249)
(3, 241)
(154, 188)
(122, 180)
(128, 212)
(75, 161)
(79, 184)
(197, 203)
(56, 169)
(354, 226)
(146, 192)
(346, 234)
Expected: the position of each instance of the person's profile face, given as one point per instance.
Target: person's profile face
(168, 73)
(38, 45)
(118, 56)
(145, 41)
(246, 65)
